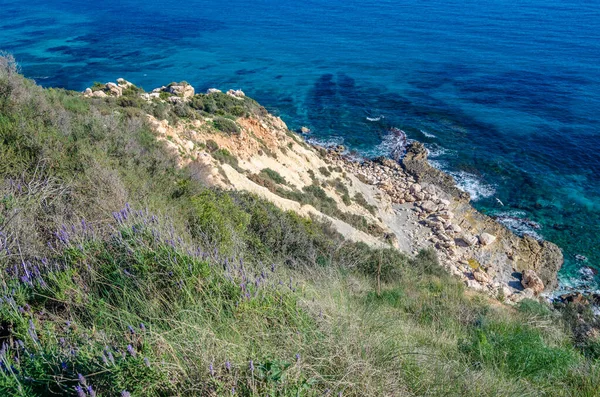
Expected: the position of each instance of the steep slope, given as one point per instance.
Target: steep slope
(409, 205)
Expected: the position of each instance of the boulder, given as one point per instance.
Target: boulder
(544, 257)
(482, 277)
(212, 91)
(99, 94)
(474, 285)
(505, 291)
(88, 92)
(305, 130)
(428, 206)
(236, 94)
(114, 90)
(486, 239)
(468, 239)
(124, 83)
(419, 196)
(416, 188)
(525, 294)
(453, 228)
(532, 281)
(183, 90)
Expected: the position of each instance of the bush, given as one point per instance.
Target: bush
(362, 201)
(224, 157)
(325, 172)
(227, 126)
(273, 175)
(225, 105)
(218, 223)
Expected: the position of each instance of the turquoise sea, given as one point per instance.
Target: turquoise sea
(505, 94)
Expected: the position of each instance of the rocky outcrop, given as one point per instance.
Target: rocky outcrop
(239, 94)
(109, 89)
(504, 251)
(182, 90)
(544, 257)
(415, 164)
(532, 281)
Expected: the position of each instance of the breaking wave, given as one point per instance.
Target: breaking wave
(427, 134)
(517, 222)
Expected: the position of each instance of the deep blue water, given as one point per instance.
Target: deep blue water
(505, 94)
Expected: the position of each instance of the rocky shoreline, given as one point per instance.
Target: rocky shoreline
(483, 253)
(421, 202)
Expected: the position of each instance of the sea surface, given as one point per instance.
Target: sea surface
(504, 93)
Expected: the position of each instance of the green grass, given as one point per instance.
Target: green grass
(232, 292)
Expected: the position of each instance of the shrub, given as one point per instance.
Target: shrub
(362, 201)
(212, 146)
(217, 222)
(325, 172)
(227, 126)
(273, 175)
(224, 157)
(341, 188)
(226, 105)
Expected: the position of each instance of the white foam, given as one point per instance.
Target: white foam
(472, 185)
(375, 118)
(427, 134)
(385, 148)
(435, 151)
(329, 142)
(518, 225)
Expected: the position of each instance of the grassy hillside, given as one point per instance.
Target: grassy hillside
(121, 275)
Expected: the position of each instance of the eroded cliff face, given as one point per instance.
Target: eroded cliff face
(409, 205)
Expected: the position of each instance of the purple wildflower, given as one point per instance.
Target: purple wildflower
(81, 379)
(91, 391)
(80, 392)
(131, 350)
(232, 390)
(211, 369)
(297, 357)
(125, 393)
(251, 366)
(131, 330)
(143, 327)
(147, 362)
(228, 365)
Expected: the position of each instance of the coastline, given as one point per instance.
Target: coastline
(405, 202)
(482, 252)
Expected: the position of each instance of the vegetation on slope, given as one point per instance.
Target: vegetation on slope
(121, 274)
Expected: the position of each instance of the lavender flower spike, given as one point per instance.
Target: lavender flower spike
(131, 350)
(125, 393)
(80, 392)
(81, 379)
